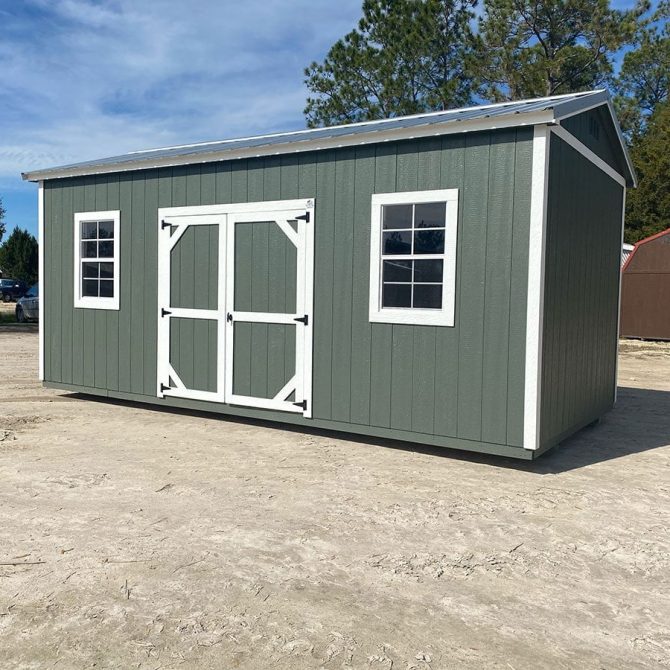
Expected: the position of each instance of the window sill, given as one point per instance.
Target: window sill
(413, 317)
(110, 304)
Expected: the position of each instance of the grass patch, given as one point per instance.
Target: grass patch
(7, 317)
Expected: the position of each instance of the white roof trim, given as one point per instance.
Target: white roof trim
(373, 137)
(599, 101)
(570, 139)
(369, 132)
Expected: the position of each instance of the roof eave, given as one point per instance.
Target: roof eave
(513, 120)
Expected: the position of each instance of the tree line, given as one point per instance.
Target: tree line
(18, 254)
(412, 56)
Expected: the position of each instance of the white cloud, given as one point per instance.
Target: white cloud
(84, 79)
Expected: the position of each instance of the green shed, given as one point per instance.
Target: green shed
(449, 278)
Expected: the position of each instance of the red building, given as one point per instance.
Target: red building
(645, 289)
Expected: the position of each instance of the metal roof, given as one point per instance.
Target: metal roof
(468, 119)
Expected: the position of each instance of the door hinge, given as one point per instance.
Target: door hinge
(164, 311)
(302, 404)
(165, 224)
(165, 388)
(302, 319)
(304, 217)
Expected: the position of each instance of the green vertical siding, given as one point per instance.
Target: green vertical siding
(498, 277)
(596, 130)
(264, 281)
(463, 382)
(361, 328)
(193, 285)
(193, 352)
(263, 358)
(472, 242)
(381, 344)
(581, 293)
(516, 344)
(195, 266)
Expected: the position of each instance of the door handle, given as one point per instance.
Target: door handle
(229, 317)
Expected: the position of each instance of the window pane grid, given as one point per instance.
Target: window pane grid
(433, 213)
(410, 252)
(412, 257)
(97, 259)
(397, 239)
(413, 252)
(409, 230)
(412, 295)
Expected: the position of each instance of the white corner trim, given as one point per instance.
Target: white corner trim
(91, 302)
(40, 275)
(570, 139)
(618, 314)
(535, 303)
(413, 316)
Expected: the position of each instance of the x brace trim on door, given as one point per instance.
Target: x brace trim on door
(302, 239)
(180, 226)
(173, 222)
(170, 231)
(286, 390)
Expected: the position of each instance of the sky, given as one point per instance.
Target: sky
(83, 79)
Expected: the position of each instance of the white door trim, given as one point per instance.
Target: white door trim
(172, 224)
(308, 297)
(188, 313)
(303, 241)
(535, 301)
(165, 312)
(286, 390)
(169, 213)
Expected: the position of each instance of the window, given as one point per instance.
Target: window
(413, 257)
(96, 254)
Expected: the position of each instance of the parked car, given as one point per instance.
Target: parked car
(12, 289)
(28, 307)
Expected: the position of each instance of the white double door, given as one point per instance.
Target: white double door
(235, 285)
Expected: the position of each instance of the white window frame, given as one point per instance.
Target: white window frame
(413, 315)
(90, 302)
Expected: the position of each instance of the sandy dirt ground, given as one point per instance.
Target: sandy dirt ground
(149, 539)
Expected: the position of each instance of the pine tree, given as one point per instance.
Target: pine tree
(535, 48)
(644, 80)
(405, 57)
(648, 206)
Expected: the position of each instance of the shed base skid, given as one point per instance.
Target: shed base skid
(276, 419)
(645, 339)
